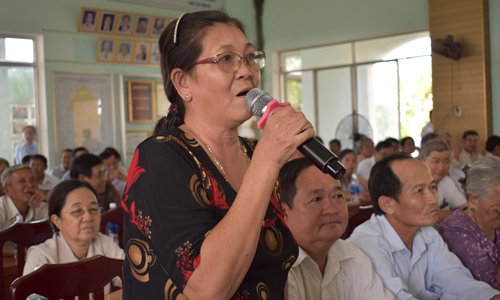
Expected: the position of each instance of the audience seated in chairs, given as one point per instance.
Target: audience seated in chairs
(4, 164)
(76, 152)
(75, 215)
(63, 167)
(436, 155)
(347, 157)
(335, 146)
(90, 168)
(23, 200)
(115, 173)
(407, 145)
(473, 233)
(365, 148)
(469, 150)
(38, 164)
(493, 145)
(382, 150)
(407, 253)
(316, 212)
(394, 142)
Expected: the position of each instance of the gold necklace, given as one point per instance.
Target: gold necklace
(220, 166)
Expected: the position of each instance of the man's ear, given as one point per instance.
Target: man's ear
(386, 204)
(182, 83)
(285, 208)
(82, 177)
(7, 189)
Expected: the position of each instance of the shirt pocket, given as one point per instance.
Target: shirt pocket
(432, 295)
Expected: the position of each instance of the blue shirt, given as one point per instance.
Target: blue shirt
(430, 271)
(21, 151)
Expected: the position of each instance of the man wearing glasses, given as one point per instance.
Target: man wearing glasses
(23, 200)
(90, 168)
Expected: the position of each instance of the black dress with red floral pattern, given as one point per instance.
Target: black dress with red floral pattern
(174, 197)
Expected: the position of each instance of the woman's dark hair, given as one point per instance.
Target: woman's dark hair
(345, 152)
(288, 175)
(189, 44)
(383, 181)
(57, 196)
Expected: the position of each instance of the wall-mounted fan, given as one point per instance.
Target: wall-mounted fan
(351, 128)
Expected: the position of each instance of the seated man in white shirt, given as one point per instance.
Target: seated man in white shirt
(382, 150)
(23, 200)
(406, 251)
(469, 151)
(63, 167)
(75, 153)
(38, 164)
(115, 173)
(316, 213)
(436, 156)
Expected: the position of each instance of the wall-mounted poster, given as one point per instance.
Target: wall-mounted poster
(88, 18)
(84, 115)
(19, 112)
(141, 104)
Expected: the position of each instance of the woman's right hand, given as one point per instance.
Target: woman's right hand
(285, 130)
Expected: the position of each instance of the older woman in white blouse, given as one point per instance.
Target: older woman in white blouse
(75, 215)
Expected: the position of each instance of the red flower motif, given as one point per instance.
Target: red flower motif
(185, 263)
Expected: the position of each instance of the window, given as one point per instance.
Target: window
(18, 93)
(385, 80)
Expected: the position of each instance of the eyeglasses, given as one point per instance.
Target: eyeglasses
(99, 175)
(80, 212)
(231, 62)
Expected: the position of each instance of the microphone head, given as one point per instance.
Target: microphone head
(256, 101)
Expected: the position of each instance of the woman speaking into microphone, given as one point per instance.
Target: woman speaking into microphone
(203, 217)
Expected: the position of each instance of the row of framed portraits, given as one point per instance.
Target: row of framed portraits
(128, 52)
(121, 23)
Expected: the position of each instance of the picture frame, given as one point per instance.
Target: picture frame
(133, 138)
(124, 51)
(84, 103)
(162, 102)
(107, 22)
(124, 26)
(158, 25)
(141, 25)
(141, 104)
(19, 112)
(141, 52)
(88, 19)
(155, 56)
(106, 50)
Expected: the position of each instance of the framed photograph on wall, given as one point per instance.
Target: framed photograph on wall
(84, 111)
(88, 19)
(141, 101)
(134, 138)
(141, 52)
(124, 51)
(142, 25)
(125, 23)
(105, 50)
(158, 25)
(155, 55)
(19, 112)
(107, 22)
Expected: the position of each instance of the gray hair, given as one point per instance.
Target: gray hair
(433, 145)
(361, 141)
(481, 176)
(7, 173)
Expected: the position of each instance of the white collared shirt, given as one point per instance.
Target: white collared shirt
(49, 182)
(429, 271)
(9, 213)
(348, 276)
(448, 191)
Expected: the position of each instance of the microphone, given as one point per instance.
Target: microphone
(262, 105)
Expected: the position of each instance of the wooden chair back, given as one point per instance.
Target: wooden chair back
(356, 217)
(69, 280)
(115, 216)
(24, 235)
